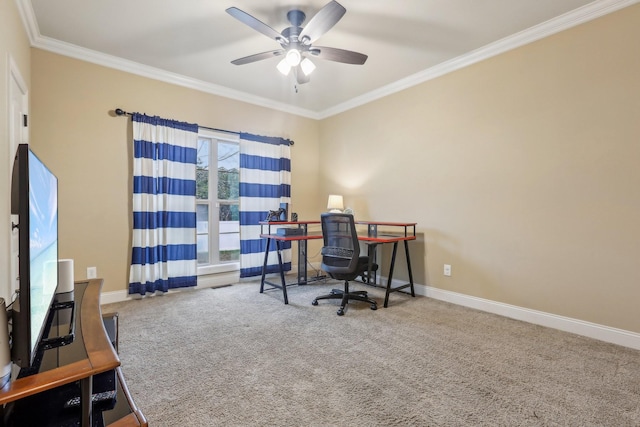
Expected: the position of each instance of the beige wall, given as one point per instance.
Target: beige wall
(522, 172)
(14, 44)
(90, 150)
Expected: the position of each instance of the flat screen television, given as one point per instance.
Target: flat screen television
(34, 198)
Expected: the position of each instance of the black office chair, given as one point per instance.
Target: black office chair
(341, 258)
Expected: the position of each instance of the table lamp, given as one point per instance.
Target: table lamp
(335, 204)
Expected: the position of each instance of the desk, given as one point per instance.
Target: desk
(373, 238)
(302, 252)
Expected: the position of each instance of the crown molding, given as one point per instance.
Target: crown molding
(39, 41)
(571, 19)
(110, 61)
(560, 23)
(28, 17)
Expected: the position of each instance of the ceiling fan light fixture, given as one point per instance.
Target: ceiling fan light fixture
(293, 57)
(284, 67)
(296, 42)
(307, 66)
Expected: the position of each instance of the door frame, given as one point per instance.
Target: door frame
(18, 132)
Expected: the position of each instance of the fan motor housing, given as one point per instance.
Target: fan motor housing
(291, 33)
(296, 17)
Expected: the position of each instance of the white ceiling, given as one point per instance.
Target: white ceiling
(191, 42)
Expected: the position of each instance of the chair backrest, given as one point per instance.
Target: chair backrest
(341, 249)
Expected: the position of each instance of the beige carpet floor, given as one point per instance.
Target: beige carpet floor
(234, 357)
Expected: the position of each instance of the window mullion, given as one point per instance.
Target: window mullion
(214, 205)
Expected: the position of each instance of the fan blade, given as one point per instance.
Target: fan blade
(301, 77)
(322, 22)
(338, 55)
(257, 57)
(256, 24)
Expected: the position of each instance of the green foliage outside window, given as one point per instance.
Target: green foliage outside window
(228, 183)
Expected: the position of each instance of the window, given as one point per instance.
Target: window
(217, 210)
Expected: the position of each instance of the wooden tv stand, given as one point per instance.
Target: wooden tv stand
(90, 354)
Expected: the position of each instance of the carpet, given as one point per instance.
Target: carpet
(234, 357)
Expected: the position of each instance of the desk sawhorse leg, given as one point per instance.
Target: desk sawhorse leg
(282, 284)
(389, 289)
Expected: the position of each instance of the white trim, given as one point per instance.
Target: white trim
(15, 76)
(205, 270)
(28, 16)
(571, 19)
(17, 92)
(549, 320)
(221, 135)
(210, 281)
(560, 23)
(110, 61)
(14, 72)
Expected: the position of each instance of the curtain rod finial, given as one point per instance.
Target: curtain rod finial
(120, 112)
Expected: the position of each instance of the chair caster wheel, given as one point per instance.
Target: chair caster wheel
(340, 312)
(314, 302)
(374, 306)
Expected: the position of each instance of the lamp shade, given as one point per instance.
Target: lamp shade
(335, 203)
(307, 66)
(293, 57)
(284, 67)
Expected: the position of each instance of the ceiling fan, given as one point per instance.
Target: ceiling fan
(296, 42)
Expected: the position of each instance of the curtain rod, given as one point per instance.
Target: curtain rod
(121, 112)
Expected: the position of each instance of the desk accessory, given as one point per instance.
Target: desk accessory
(64, 291)
(65, 276)
(284, 211)
(5, 353)
(290, 231)
(275, 216)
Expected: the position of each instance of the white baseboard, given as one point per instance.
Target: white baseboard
(208, 281)
(567, 324)
(562, 323)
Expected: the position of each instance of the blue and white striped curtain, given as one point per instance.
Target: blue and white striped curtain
(265, 182)
(164, 205)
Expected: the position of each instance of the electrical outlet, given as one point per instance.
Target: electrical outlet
(92, 272)
(447, 270)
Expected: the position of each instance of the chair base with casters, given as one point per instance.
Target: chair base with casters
(341, 258)
(347, 296)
